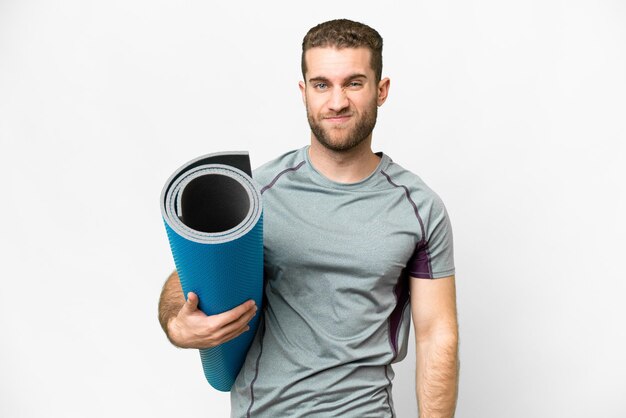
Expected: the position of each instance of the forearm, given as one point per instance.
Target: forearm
(170, 302)
(437, 375)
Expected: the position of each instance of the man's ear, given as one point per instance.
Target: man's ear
(383, 90)
(302, 91)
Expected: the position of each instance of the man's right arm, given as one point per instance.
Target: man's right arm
(186, 326)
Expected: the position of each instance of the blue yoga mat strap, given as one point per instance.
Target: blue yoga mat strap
(213, 217)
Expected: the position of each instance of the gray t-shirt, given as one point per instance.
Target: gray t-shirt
(338, 258)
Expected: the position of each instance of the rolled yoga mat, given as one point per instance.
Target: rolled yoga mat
(214, 221)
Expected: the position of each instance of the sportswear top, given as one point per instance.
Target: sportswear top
(338, 258)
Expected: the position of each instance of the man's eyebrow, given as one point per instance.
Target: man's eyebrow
(326, 80)
(356, 75)
(314, 79)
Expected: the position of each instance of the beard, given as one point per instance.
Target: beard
(344, 138)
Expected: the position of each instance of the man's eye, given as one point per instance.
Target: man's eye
(355, 84)
(320, 86)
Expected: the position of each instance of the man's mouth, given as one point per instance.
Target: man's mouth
(337, 118)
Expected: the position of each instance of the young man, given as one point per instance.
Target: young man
(351, 240)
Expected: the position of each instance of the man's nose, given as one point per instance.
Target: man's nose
(338, 100)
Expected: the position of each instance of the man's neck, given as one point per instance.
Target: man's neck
(344, 166)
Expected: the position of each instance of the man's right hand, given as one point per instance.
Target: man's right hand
(192, 328)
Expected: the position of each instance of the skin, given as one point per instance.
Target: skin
(433, 309)
(186, 326)
(341, 95)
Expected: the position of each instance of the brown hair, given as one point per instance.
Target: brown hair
(344, 33)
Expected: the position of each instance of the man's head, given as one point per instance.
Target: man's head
(342, 88)
(344, 33)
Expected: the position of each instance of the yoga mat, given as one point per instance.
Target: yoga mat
(214, 221)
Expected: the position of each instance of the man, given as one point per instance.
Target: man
(350, 239)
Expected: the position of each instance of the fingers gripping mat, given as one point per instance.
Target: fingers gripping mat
(214, 221)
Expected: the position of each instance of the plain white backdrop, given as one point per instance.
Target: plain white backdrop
(514, 112)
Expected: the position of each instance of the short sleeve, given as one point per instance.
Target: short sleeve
(433, 257)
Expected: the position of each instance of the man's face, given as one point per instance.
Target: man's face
(341, 96)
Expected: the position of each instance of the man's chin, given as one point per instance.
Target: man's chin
(339, 144)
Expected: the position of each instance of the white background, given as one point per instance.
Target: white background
(514, 112)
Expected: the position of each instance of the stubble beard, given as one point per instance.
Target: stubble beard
(349, 137)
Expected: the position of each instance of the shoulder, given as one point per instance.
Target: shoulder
(416, 189)
(269, 171)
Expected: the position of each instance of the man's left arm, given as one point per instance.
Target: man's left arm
(433, 308)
